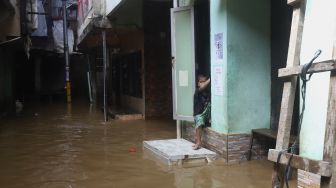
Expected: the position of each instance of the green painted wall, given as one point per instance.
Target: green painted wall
(249, 65)
(218, 24)
(245, 100)
(317, 34)
(241, 78)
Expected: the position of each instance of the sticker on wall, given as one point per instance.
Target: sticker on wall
(219, 46)
(218, 80)
(183, 78)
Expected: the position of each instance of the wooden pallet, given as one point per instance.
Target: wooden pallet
(324, 167)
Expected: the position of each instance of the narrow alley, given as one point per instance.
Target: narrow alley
(167, 93)
(53, 146)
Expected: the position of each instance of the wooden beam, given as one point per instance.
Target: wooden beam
(316, 67)
(293, 2)
(329, 151)
(322, 168)
(329, 138)
(288, 96)
(333, 115)
(287, 103)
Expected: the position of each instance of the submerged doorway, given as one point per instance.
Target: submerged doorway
(281, 15)
(202, 36)
(190, 27)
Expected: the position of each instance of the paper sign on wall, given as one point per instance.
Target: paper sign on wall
(183, 78)
(219, 46)
(218, 81)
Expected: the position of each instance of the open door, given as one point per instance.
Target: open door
(183, 62)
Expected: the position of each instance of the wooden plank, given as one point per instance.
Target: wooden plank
(287, 103)
(286, 113)
(329, 138)
(316, 67)
(293, 2)
(329, 152)
(265, 132)
(293, 59)
(322, 168)
(268, 133)
(333, 116)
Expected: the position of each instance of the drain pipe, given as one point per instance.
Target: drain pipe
(66, 53)
(105, 67)
(178, 129)
(176, 2)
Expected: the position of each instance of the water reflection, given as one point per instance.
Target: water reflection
(74, 148)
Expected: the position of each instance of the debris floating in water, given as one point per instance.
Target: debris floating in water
(132, 150)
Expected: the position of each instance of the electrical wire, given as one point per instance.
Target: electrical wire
(295, 145)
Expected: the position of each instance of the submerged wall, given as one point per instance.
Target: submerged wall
(6, 83)
(241, 68)
(157, 58)
(248, 65)
(219, 101)
(10, 27)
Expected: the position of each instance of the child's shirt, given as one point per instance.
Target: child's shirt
(201, 99)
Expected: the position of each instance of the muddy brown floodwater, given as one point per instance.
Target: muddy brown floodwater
(57, 146)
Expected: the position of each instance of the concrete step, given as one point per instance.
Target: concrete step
(128, 116)
(178, 152)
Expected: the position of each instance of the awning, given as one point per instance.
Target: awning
(112, 6)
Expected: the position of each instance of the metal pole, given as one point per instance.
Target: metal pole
(176, 3)
(178, 122)
(89, 79)
(105, 62)
(178, 129)
(66, 53)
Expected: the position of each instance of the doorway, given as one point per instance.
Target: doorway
(202, 37)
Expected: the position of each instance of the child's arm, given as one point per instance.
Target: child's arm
(204, 85)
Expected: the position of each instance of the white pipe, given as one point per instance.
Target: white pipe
(176, 3)
(178, 129)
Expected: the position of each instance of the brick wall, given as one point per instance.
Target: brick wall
(232, 147)
(307, 179)
(157, 58)
(238, 146)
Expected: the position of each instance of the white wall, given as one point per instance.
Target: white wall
(319, 33)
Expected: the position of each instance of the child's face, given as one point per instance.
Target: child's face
(201, 79)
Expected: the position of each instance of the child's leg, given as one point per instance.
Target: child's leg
(198, 140)
(199, 135)
(196, 137)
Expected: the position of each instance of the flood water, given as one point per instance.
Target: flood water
(58, 146)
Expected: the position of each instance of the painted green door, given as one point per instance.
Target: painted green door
(183, 62)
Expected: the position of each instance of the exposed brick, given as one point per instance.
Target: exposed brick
(233, 147)
(157, 57)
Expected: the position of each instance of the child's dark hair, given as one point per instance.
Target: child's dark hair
(202, 75)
